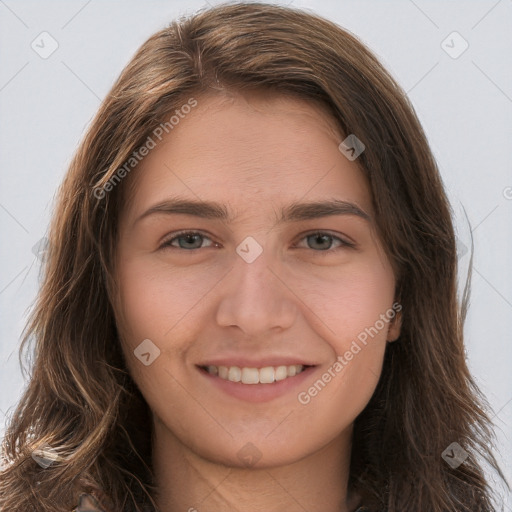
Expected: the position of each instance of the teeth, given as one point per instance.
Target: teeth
(265, 375)
(249, 375)
(291, 372)
(282, 372)
(234, 374)
(213, 370)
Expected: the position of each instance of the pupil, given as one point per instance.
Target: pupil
(320, 238)
(189, 239)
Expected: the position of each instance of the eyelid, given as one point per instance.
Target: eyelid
(173, 236)
(344, 241)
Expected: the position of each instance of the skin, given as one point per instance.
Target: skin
(301, 296)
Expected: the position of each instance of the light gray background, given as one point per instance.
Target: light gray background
(464, 104)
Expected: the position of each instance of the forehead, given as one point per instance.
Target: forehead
(251, 148)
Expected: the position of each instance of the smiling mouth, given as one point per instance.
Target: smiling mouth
(265, 375)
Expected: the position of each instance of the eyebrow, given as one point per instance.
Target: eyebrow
(293, 212)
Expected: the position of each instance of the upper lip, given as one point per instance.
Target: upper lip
(246, 362)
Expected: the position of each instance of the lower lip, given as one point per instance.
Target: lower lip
(257, 393)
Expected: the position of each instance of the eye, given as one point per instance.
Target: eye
(321, 241)
(191, 240)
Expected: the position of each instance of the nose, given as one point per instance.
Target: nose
(256, 297)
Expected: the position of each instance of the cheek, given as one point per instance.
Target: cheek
(163, 304)
(349, 301)
(358, 319)
(341, 391)
(156, 303)
(354, 307)
(156, 300)
(355, 311)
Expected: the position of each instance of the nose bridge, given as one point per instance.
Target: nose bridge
(255, 298)
(254, 280)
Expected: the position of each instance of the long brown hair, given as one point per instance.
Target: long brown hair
(81, 400)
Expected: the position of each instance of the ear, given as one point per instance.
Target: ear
(395, 325)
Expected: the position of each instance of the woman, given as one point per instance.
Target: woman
(255, 370)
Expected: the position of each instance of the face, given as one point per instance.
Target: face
(271, 289)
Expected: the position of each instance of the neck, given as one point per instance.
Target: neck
(189, 482)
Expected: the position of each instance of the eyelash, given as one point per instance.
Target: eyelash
(167, 244)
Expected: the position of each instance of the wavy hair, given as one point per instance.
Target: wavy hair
(81, 401)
